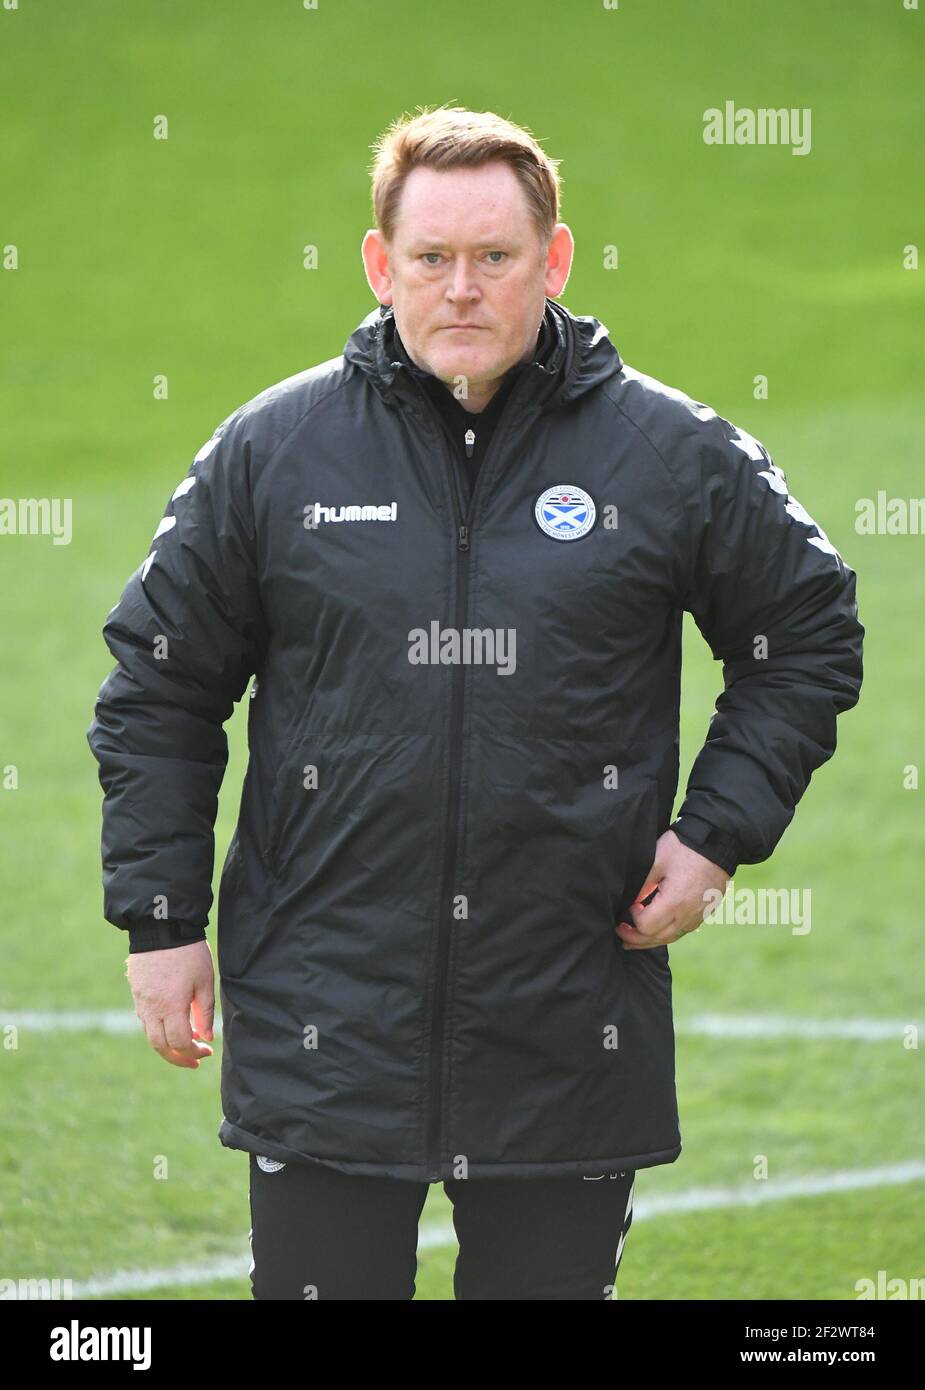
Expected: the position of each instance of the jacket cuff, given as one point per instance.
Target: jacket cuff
(705, 839)
(161, 936)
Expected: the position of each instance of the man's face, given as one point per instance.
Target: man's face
(467, 274)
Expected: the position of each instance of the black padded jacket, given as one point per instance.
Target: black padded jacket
(463, 746)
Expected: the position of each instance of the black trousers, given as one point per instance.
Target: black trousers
(319, 1233)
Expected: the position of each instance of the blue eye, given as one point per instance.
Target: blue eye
(426, 256)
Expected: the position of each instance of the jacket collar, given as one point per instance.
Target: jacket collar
(581, 357)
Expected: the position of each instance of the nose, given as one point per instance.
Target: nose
(462, 287)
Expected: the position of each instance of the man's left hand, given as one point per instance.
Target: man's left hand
(680, 878)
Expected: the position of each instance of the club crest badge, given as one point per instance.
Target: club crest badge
(269, 1165)
(565, 512)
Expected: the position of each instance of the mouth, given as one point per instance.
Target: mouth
(462, 328)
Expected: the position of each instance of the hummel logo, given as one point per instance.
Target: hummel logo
(316, 512)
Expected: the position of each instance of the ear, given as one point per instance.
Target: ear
(559, 259)
(376, 264)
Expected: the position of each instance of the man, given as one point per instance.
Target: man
(456, 559)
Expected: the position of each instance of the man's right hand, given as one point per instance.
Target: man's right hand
(167, 985)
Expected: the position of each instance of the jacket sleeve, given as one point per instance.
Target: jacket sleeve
(776, 603)
(187, 634)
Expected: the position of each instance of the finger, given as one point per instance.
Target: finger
(660, 930)
(177, 1030)
(154, 1028)
(190, 1058)
(203, 1010)
(184, 1059)
(633, 939)
(188, 1052)
(180, 1039)
(654, 920)
(163, 1049)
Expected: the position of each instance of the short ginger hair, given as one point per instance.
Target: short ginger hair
(451, 137)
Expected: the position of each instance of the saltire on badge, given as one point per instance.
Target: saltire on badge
(565, 512)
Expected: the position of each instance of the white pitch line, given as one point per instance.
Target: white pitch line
(177, 1276)
(85, 1021)
(700, 1025)
(784, 1026)
(754, 1192)
(434, 1236)
(440, 1234)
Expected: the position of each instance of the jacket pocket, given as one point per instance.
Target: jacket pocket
(271, 828)
(279, 795)
(281, 790)
(227, 899)
(644, 838)
(284, 807)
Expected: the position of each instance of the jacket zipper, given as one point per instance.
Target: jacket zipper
(445, 925)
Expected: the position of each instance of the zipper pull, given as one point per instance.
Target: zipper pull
(470, 442)
(463, 538)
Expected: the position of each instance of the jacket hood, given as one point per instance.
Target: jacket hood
(582, 356)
